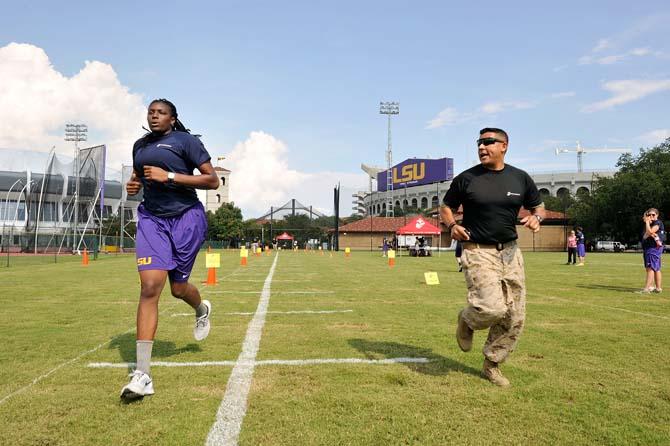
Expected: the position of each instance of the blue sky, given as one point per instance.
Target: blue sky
(290, 91)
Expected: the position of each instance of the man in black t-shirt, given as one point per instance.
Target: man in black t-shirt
(491, 194)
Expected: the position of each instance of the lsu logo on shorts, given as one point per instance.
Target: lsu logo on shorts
(144, 261)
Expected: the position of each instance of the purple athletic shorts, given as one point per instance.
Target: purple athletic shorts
(581, 250)
(170, 243)
(652, 258)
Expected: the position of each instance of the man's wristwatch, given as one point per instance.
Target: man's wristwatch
(171, 176)
(539, 219)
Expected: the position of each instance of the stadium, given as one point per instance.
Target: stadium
(420, 184)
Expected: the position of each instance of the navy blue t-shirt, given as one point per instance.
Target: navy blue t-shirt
(491, 201)
(649, 242)
(177, 152)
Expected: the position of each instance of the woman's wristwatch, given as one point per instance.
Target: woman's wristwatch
(171, 176)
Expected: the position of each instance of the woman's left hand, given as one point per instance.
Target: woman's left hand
(154, 173)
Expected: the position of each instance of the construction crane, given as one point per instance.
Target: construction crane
(582, 150)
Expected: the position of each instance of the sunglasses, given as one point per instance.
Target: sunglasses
(487, 141)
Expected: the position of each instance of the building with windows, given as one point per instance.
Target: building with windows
(214, 198)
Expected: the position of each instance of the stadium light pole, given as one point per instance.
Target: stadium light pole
(389, 109)
(76, 133)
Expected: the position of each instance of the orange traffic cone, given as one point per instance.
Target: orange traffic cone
(84, 258)
(211, 276)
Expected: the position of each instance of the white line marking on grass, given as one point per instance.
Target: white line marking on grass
(248, 313)
(304, 292)
(608, 307)
(121, 365)
(342, 361)
(261, 280)
(276, 292)
(60, 366)
(231, 412)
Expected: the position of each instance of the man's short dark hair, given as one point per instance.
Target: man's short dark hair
(495, 130)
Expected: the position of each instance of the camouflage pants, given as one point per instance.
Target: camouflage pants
(496, 296)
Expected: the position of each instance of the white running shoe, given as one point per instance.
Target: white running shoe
(140, 385)
(201, 329)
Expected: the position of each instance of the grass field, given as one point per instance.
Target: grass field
(589, 368)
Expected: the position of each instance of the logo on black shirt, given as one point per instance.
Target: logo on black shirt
(163, 145)
(509, 194)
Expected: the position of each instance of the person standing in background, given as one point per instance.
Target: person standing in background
(572, 248)
(581, 245)
(652, 250)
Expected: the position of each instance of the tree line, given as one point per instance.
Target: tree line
(227, 225)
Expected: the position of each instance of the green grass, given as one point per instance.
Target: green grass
(590, 367)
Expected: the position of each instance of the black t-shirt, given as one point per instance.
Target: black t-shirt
(178, 152)
(491, 201)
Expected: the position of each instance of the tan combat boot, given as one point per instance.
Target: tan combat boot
(493, 374)
(463, 334)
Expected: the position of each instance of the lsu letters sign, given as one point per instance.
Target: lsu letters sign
(417, 171)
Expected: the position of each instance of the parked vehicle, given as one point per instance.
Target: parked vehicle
(610, 245)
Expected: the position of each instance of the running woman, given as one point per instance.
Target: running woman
(171, 226)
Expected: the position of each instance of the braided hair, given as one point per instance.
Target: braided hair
(178, 126)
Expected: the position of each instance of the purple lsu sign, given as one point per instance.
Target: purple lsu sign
(417, 171)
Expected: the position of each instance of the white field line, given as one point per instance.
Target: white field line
(607, 307)
(276, 292)
(121, 365)
(262, 280)
(248, 313)
(60, 366)
(231, 412)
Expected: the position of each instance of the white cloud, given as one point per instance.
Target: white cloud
(563, 94)
(451, 116)
(36, 102)
(448, 116)
(624, 91)
(654, 137)
(261, 178)
(609, 60)
(601, 45)
(616, 58)
(640, 52)
(497, 107)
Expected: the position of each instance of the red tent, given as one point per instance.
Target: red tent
(418, 226)
(285, 236)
